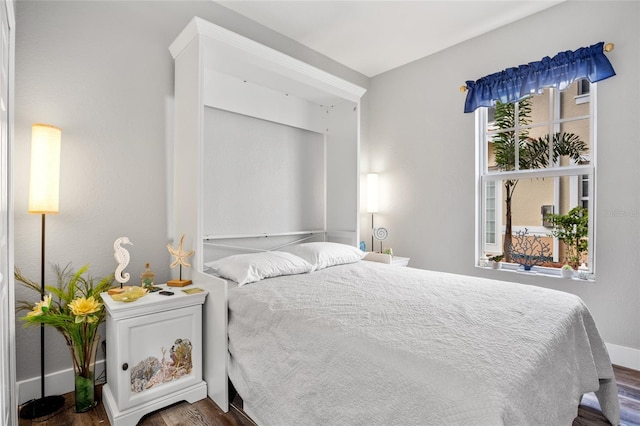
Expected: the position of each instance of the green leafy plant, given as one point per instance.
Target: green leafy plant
(532, 153)
(572, 229)
(73, 307)
(496, 258)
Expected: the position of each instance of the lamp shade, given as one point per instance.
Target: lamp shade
(372, 193)
(44, 182)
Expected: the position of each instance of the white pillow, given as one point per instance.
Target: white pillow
(322, 254)
(248, 268)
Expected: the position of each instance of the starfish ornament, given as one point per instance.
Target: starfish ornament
(180, 255)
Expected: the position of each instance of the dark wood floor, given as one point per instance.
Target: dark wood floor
(206, 412)
(629, 395)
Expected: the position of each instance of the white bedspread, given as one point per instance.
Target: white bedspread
(373, 344)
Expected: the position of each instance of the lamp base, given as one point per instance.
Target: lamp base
(178, 283)
(41, 407)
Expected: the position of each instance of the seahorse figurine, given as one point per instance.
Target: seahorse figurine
(122, 257)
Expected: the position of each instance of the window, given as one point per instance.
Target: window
(539, 152)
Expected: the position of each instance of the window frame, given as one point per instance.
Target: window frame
(483, 175)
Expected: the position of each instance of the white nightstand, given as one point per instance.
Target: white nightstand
(386, 258)
(400, 261)
(154, 353)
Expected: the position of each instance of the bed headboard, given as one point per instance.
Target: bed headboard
(265, 148)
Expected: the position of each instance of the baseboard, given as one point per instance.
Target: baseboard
(61, 382)
(624, 356)
(57, 383)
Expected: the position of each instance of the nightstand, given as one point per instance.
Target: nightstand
(154, 353)
(400, 261)
(386, 258)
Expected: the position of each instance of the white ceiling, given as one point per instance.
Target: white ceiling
(375, 36)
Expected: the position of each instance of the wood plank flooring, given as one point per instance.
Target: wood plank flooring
(207, 413)
(201, 413)
(629, 395)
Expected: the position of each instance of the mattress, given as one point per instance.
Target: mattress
(374, 344)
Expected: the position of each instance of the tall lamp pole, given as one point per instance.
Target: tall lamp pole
(44, 188)
(372, 199)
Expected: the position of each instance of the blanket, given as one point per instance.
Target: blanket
(374, 344)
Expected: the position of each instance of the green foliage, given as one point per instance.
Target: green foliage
(532, 153)
(565, 144)
(573, 230)
(73, 307)
(504, 142)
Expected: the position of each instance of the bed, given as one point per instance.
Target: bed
(342, 340)
(351, 342)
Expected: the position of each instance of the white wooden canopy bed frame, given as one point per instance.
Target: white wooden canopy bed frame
(266, 156)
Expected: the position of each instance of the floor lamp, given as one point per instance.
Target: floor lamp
(44, 187)
(372, 199)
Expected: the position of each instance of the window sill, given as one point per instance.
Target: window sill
(539, 271)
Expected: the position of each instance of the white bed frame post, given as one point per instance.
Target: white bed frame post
(187, 173)
(217, 68)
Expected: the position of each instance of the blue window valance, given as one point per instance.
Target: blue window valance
(514, 84)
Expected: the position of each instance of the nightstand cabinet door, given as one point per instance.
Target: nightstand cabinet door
(155, 355)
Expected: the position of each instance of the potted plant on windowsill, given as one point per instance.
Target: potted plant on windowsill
(494, 261)
(567, 271)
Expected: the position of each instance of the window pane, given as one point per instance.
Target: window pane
(540, 109)
(490, 218)
(501, 152)
(585, 186)
(576, 136)
(530, 236)
(584, 191)
(570, 105)
(518, 131)
(529, 196)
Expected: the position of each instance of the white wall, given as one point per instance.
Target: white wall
(102, 71)
(423, 145)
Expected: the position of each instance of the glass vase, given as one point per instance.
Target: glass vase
(84, 366)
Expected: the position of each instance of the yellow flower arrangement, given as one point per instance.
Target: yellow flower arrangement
(83, 306)
(41, 307)
(76, 312)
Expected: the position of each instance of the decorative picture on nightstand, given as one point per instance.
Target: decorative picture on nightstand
(152, 371)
